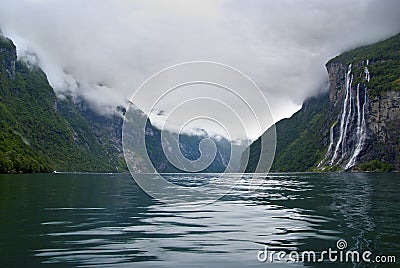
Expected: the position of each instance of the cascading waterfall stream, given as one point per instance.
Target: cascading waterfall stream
(358, 108)
(331, 141)
(361, 135)
(342, 121)
(367, 75)
(348, 119)
(353, 125)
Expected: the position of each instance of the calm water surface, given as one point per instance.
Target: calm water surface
(105, 220)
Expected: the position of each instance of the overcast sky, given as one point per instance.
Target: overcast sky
(104, 50)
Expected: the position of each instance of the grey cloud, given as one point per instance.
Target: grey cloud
(103, 50)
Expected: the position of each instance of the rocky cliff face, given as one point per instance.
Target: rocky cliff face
(108, 131)
(336, 73)
(384, 124)
(349, 133)
(8, 57)
(365, 96)
(189, 147)
(160, 148)
(356, 125)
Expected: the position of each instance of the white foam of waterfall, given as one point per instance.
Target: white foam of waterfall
(358, 108)
(330, 147)
(367, 75)
(348, 119)
(361, 135)
(343, 118)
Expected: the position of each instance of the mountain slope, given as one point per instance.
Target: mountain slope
(34, 135)
(189, 146)
(355, 126)
(41, 133)
(298, 139)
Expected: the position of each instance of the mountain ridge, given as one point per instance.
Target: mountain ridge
(41, 132)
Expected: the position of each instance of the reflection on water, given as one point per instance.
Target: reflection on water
(353, 203)
(105, 220)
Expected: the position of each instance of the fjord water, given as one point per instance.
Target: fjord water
(106, 220)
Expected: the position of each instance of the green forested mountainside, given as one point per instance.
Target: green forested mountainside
(384, 64)
(101, 132)
(41, 133)
(292, 137)
(30, 117)
(34, 136)
(299, 139)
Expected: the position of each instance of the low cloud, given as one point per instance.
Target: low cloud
(104, 50)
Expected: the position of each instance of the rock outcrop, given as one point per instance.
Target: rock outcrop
(8, 57)
(384, 124)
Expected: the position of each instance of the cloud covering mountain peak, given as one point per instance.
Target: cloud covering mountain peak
(104, 50)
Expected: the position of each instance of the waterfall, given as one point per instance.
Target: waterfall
(343, 118)
(358, 109)
(348, 119)
(331, 140)
(353, 124)
(367, 76)
(361, 134)
(361, 124)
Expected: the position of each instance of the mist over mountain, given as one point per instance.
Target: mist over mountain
(104, 56)
(42, 133)
(80, 73)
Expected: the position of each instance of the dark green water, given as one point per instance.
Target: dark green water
(65, 220)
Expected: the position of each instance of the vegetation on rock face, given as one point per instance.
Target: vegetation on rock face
(299, 139)
(384, 64)
(101, 133)
(303, 139)
(41, 133)
(32, 123)
(375, 165)
(34, 135)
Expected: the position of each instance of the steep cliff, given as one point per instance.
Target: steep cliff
(41, 133)
(34, 135)
(105, 129)
(189, 146)
(159, 148)
(8, 58)
(355, 125)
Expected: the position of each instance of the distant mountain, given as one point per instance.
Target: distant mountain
(189, 146)
(354, 126)
(41, 133)
(106, 130)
